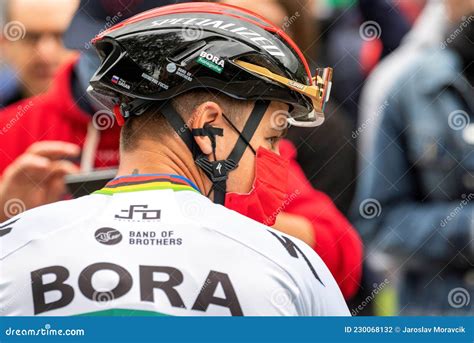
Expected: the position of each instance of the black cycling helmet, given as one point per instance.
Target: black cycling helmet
(159, 54)
(164, 52)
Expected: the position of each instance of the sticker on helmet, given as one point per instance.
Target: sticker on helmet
(155, 81)
(118, 81)
(184, 74)
(171, 67)
(210, 61)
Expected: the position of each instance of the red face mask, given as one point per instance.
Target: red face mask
(268, 191)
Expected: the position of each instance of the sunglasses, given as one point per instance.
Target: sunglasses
(318, 92)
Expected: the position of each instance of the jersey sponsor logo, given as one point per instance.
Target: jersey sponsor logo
(108, 236)
(6, 228)
(139, 212)
(253, 36)
(146, 286)
(293, 250)
(152, 237)
(5, 231)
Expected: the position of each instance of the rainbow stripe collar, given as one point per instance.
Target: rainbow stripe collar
(147, 182)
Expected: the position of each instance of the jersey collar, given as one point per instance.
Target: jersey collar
(147, 182)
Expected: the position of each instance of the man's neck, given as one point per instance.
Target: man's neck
(149, 158)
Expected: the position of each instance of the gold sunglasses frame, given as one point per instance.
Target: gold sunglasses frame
(318, 92)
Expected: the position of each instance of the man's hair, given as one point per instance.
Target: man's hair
(153, 125)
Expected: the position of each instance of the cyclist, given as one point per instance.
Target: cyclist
(199, 89)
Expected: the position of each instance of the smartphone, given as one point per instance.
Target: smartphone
(81, 184)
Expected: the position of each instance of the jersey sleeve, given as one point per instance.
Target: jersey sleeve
(323, 297)
(319, 294)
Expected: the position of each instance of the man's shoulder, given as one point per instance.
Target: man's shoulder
(41, 221)
(287, 256)
(279, 249)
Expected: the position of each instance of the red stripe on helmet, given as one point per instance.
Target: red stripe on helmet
(212, 8)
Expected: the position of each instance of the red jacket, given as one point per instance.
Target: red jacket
(55, 116)
(52, 116)
(337, 242)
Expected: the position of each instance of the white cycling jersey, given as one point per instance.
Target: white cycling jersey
(153, 245)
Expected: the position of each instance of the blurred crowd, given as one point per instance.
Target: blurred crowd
(383, 190)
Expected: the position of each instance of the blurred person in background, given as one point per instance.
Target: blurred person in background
(8, 83)
(428, 32)
(44, 138)
(320, 155)
(360, 34)
(415, 197)
(31, 44)
(7, 78)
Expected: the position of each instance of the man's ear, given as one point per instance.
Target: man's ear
(209, 113)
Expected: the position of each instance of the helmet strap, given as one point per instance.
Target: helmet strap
(218, 170)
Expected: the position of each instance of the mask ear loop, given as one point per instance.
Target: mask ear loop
(211, 132)
(240, 134)
(217, 171)
(249, 129)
